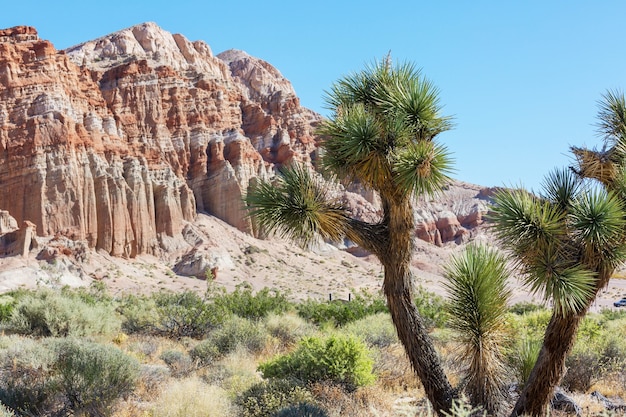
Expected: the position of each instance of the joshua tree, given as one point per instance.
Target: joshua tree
(381, 134)
(567, 243)
(478, 294)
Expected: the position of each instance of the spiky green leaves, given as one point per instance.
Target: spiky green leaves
(526, 225)
(598, 224)
(423, 168)
(356, 146)
(612, 115)
(476, 285)
(566, 243)
(297, 205)
(383, 129)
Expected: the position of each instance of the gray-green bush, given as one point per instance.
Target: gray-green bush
(53, 376)
(171, 314)
(94, 376)
(301, 410)
(376, 330)
(340, 312)
(47, 312)
(237, 331)
(266, 398)
(243, 302)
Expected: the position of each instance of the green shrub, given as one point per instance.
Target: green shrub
(377, 330)
(64, 376)
(532, 325)
(237, 331)
(180, 364)
(583, 370)
(139, 314)
(94, 376)
(432, 308)
(301, 410)
(186, 314)
(523, 357)
(525, 307)
(6, 307)
(28, 381)
(46, 312)
(288, 328)
(204, 353)
(341, 312)
(337, 358)
(267, 397)
(244, 303)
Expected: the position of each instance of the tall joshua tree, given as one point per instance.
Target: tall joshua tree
(381, 134)
(568, 242)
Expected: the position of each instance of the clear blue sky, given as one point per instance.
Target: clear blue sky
(522, 78)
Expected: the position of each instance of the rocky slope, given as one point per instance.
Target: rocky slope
(115, 146)
(120, 140)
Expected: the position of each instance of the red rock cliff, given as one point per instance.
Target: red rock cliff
(118, 141)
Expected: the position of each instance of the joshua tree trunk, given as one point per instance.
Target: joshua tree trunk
(396, 259)
(549, 369)
(550, 366)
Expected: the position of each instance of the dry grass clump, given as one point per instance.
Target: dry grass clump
(365, 401)
(191, 397)
(235, 373)
(287, 329)
(394, 371)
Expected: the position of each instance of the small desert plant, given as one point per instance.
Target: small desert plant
(523, 357)
(28, 382)
(244, 303)
(432, 308)
(337, 358)
(152, 378)
(93, 376)
(64, 375)
(288, 328)
(368, 401)
(47, 312)
(583, 370)
(340, 313)
(139, 314)
(301, 410)
(476, 284)
(268, 397)
(376, 330)
(180, 364)
(524, 307)
(204, 353)
(237, 331)
(186, 314)
(6, 307)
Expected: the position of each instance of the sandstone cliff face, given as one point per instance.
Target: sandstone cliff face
(118, 141)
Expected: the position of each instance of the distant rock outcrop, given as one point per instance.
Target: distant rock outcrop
(120, 140)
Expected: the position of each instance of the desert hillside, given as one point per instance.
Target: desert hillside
(125, 160)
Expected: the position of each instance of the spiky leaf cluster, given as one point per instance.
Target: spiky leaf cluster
(476, 285)
(297, 205)
(565, 241)
(383, 130)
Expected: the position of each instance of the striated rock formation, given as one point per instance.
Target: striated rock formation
(120, 140)
(453, 216)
